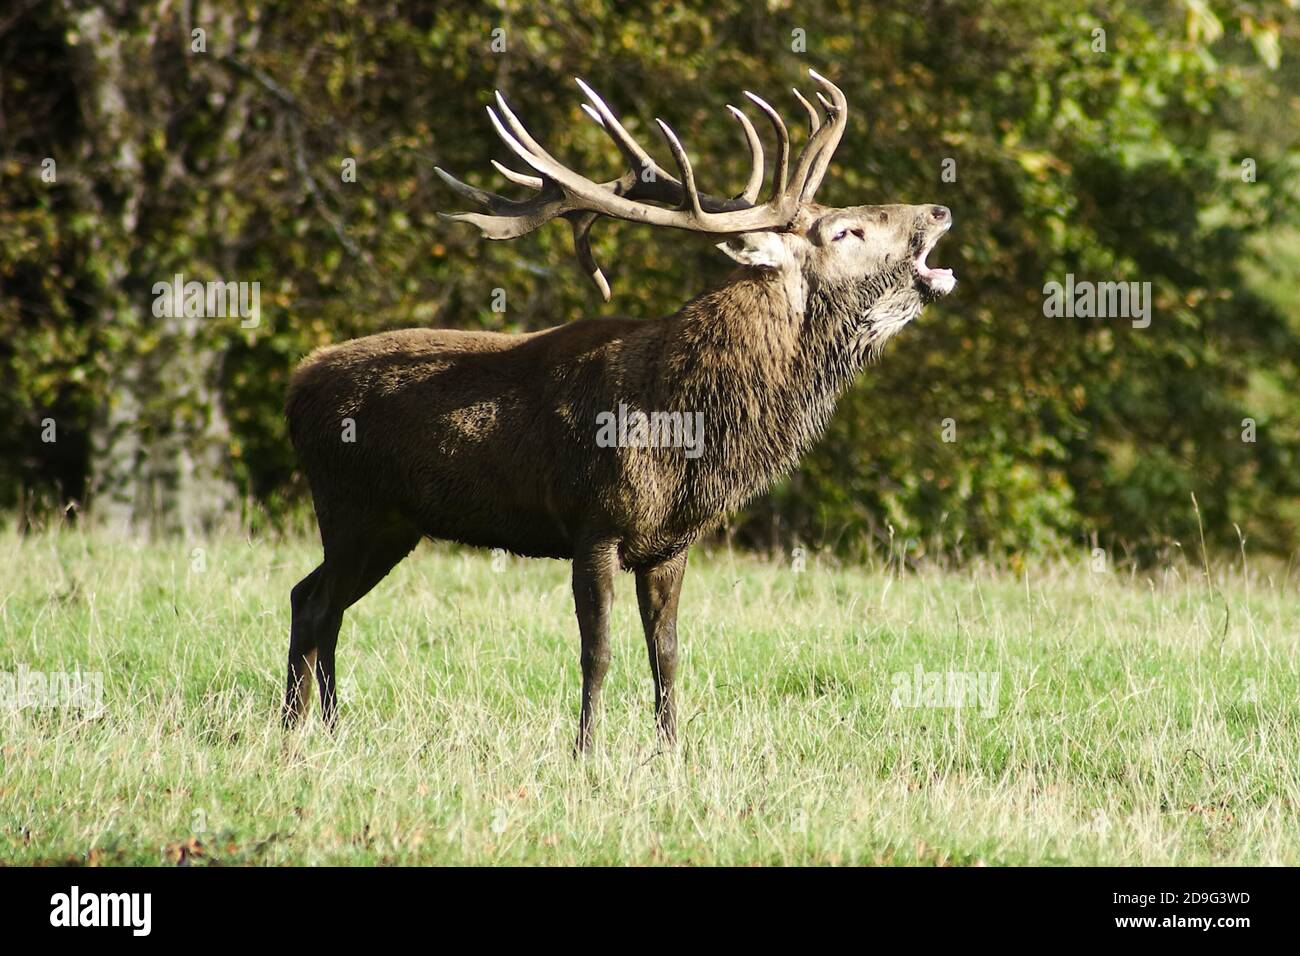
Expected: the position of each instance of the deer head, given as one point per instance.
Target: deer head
(881, 249)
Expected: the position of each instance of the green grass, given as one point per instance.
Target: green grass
(1140, 719)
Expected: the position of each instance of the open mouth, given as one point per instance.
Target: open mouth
(937, 281)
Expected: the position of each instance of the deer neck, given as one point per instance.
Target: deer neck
(765, 358)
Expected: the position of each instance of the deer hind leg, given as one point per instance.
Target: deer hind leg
(593, 596)
(657, 591)
(302, 652)
(355, 562)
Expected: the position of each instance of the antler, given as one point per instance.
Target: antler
(646, 193)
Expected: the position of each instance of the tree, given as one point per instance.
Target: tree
(297, 151)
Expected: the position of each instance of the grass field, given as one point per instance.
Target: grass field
(1136, 719)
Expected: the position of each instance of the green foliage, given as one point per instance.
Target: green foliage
(1114, 165)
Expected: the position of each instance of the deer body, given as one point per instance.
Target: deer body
(491, 439)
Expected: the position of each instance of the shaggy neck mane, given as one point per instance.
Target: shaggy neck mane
(766, 357)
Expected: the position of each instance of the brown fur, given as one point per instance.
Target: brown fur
(490, 439)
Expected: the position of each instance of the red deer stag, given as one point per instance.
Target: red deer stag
(494, 440)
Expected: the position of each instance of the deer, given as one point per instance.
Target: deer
(489, 439)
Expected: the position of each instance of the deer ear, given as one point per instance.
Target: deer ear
(756, 249)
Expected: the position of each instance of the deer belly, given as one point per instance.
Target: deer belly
(489, 512)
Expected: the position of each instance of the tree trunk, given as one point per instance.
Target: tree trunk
(159, 461)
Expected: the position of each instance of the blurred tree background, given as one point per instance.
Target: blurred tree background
(1119, 141)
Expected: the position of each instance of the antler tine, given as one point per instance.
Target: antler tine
(582, 224)
(516, 147)
(837, 111)
(755, 183)
(499, 227)
(782, 141)
(635, 156)
(691, 201)
(519, 179)
(517, 128)
(472, 193)
(814, 121)
(803, 170)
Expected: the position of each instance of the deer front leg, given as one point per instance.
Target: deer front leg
(593, 595)
(657, 590)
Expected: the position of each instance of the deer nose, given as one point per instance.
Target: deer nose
(940, 213)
